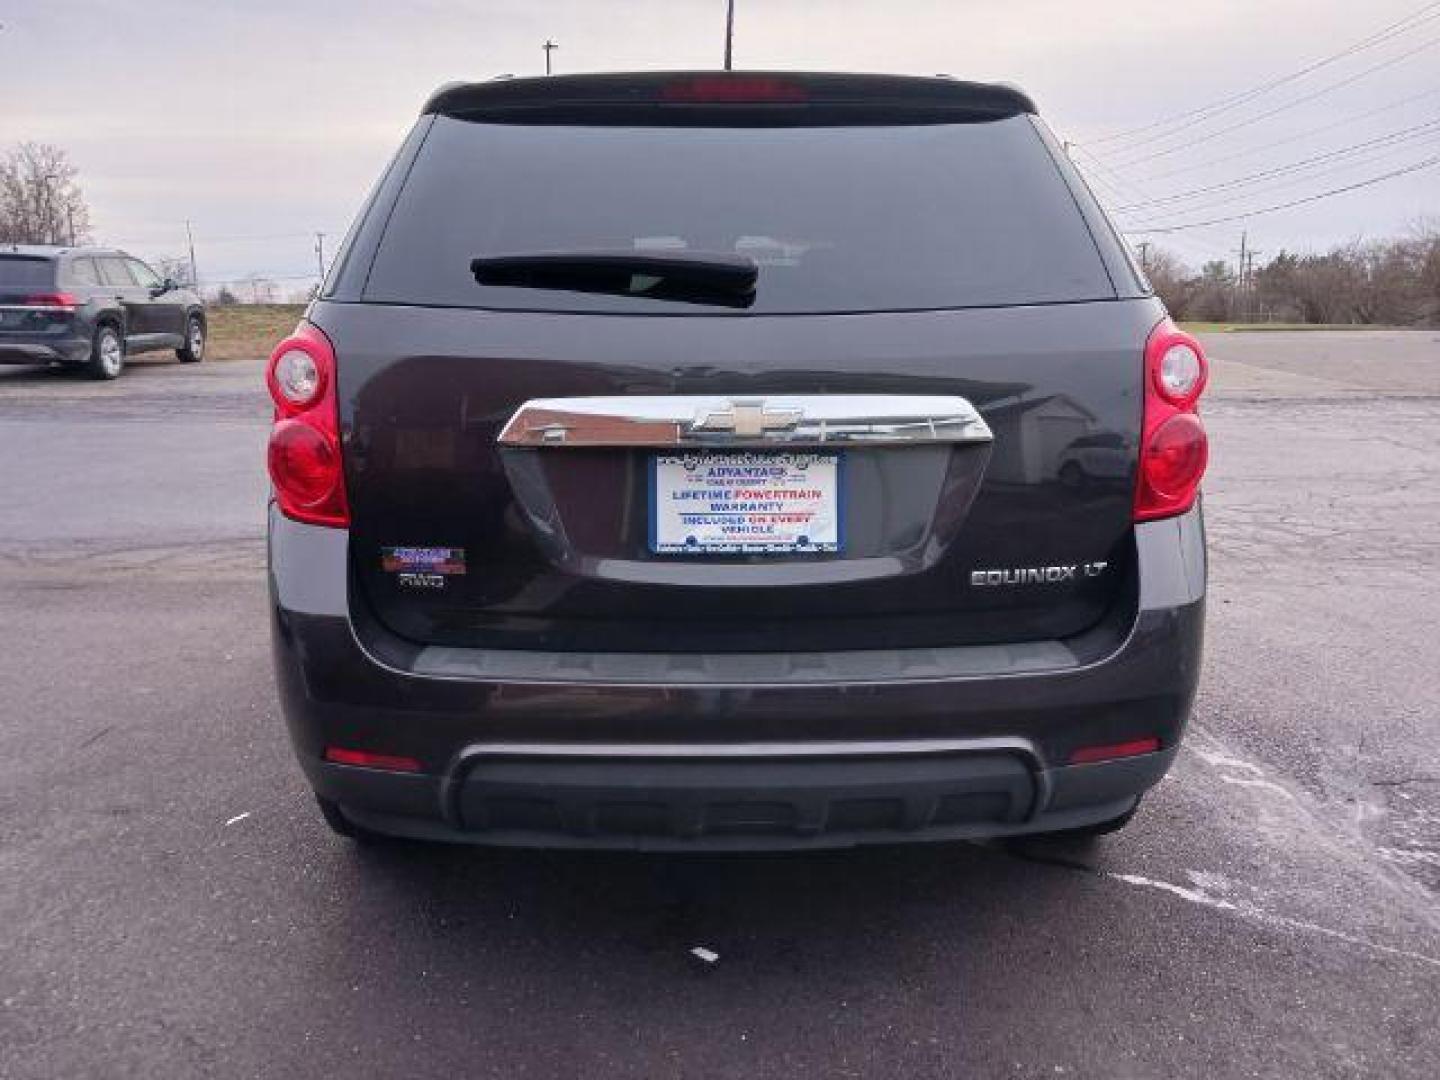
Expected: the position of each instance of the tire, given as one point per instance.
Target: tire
(193, 351)
(343, 826)
(107, 354)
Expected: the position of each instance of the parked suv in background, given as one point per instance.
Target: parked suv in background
(91, 308)
(674, 461)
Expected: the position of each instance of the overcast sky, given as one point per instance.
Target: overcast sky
(264, 121)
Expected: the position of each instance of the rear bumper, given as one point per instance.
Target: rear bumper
(727, 752)
(43, 348)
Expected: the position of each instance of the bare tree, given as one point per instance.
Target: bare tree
(1173, 280)
(1379, 282)
(40, 201)
(1214, 295)
(174, 267)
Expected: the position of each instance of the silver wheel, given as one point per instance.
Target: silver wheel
(194, 347)
(109, 355)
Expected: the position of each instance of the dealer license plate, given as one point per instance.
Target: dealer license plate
(719, 503)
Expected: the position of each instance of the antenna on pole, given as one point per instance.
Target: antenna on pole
(549, 47)
(729, 34)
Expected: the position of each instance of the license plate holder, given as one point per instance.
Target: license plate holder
(719, 502)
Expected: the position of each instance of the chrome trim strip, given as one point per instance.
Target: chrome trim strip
(704, 422)
(722, 751)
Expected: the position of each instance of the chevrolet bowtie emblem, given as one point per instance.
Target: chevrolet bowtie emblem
(748, 418)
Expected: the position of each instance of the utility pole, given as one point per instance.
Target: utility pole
(190, 239)
(320, 254)
(1240, 274)
(1144, 246)
(549, 47)
(729, 34)
(1250, 290)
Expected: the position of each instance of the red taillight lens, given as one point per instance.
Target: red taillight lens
(63, 300)
(1088, 755)
(732, 90)
(1175, 457)
(365, 759)
(1173, 446)
(306, 459)
(306, 467)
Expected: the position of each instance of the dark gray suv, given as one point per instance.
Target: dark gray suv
(677, 461)
(90, 308)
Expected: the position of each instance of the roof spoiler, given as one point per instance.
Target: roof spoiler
(711, 97)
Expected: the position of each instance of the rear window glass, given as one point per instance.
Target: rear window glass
(18, 272)
(837, 219)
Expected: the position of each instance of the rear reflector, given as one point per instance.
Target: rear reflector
(1088, 755)
(367, 760)
(732, 90)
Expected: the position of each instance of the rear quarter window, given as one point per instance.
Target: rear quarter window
(839, 219)
(83, 272)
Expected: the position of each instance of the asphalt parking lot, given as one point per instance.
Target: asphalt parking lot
(172, 905)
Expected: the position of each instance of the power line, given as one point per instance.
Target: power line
(1104, 174)
(1195, 241)
(1223, 201)
(257, 238)
(1140, 230)
(1328, 88)
(1297, 137)
(1409, 22)
(1403, 135)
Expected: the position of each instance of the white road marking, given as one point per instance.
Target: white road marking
(237, 817)
(1410, 856)
(1195, 896)
(1269, 918)
(1261, 915)
(1211, 757)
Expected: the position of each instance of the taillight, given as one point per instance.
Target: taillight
(306, 467)
(1173, 445)
(63, 301)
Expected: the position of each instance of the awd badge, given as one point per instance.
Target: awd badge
(423, 567)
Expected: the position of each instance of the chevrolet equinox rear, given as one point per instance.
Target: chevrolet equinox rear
(704, 461)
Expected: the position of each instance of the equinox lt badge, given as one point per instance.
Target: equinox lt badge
(1035, 575)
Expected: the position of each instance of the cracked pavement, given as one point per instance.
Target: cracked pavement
(173, 906)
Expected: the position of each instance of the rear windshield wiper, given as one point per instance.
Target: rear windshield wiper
(688, 277)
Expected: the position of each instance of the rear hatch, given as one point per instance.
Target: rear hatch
(23, 279)
(893, 398)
